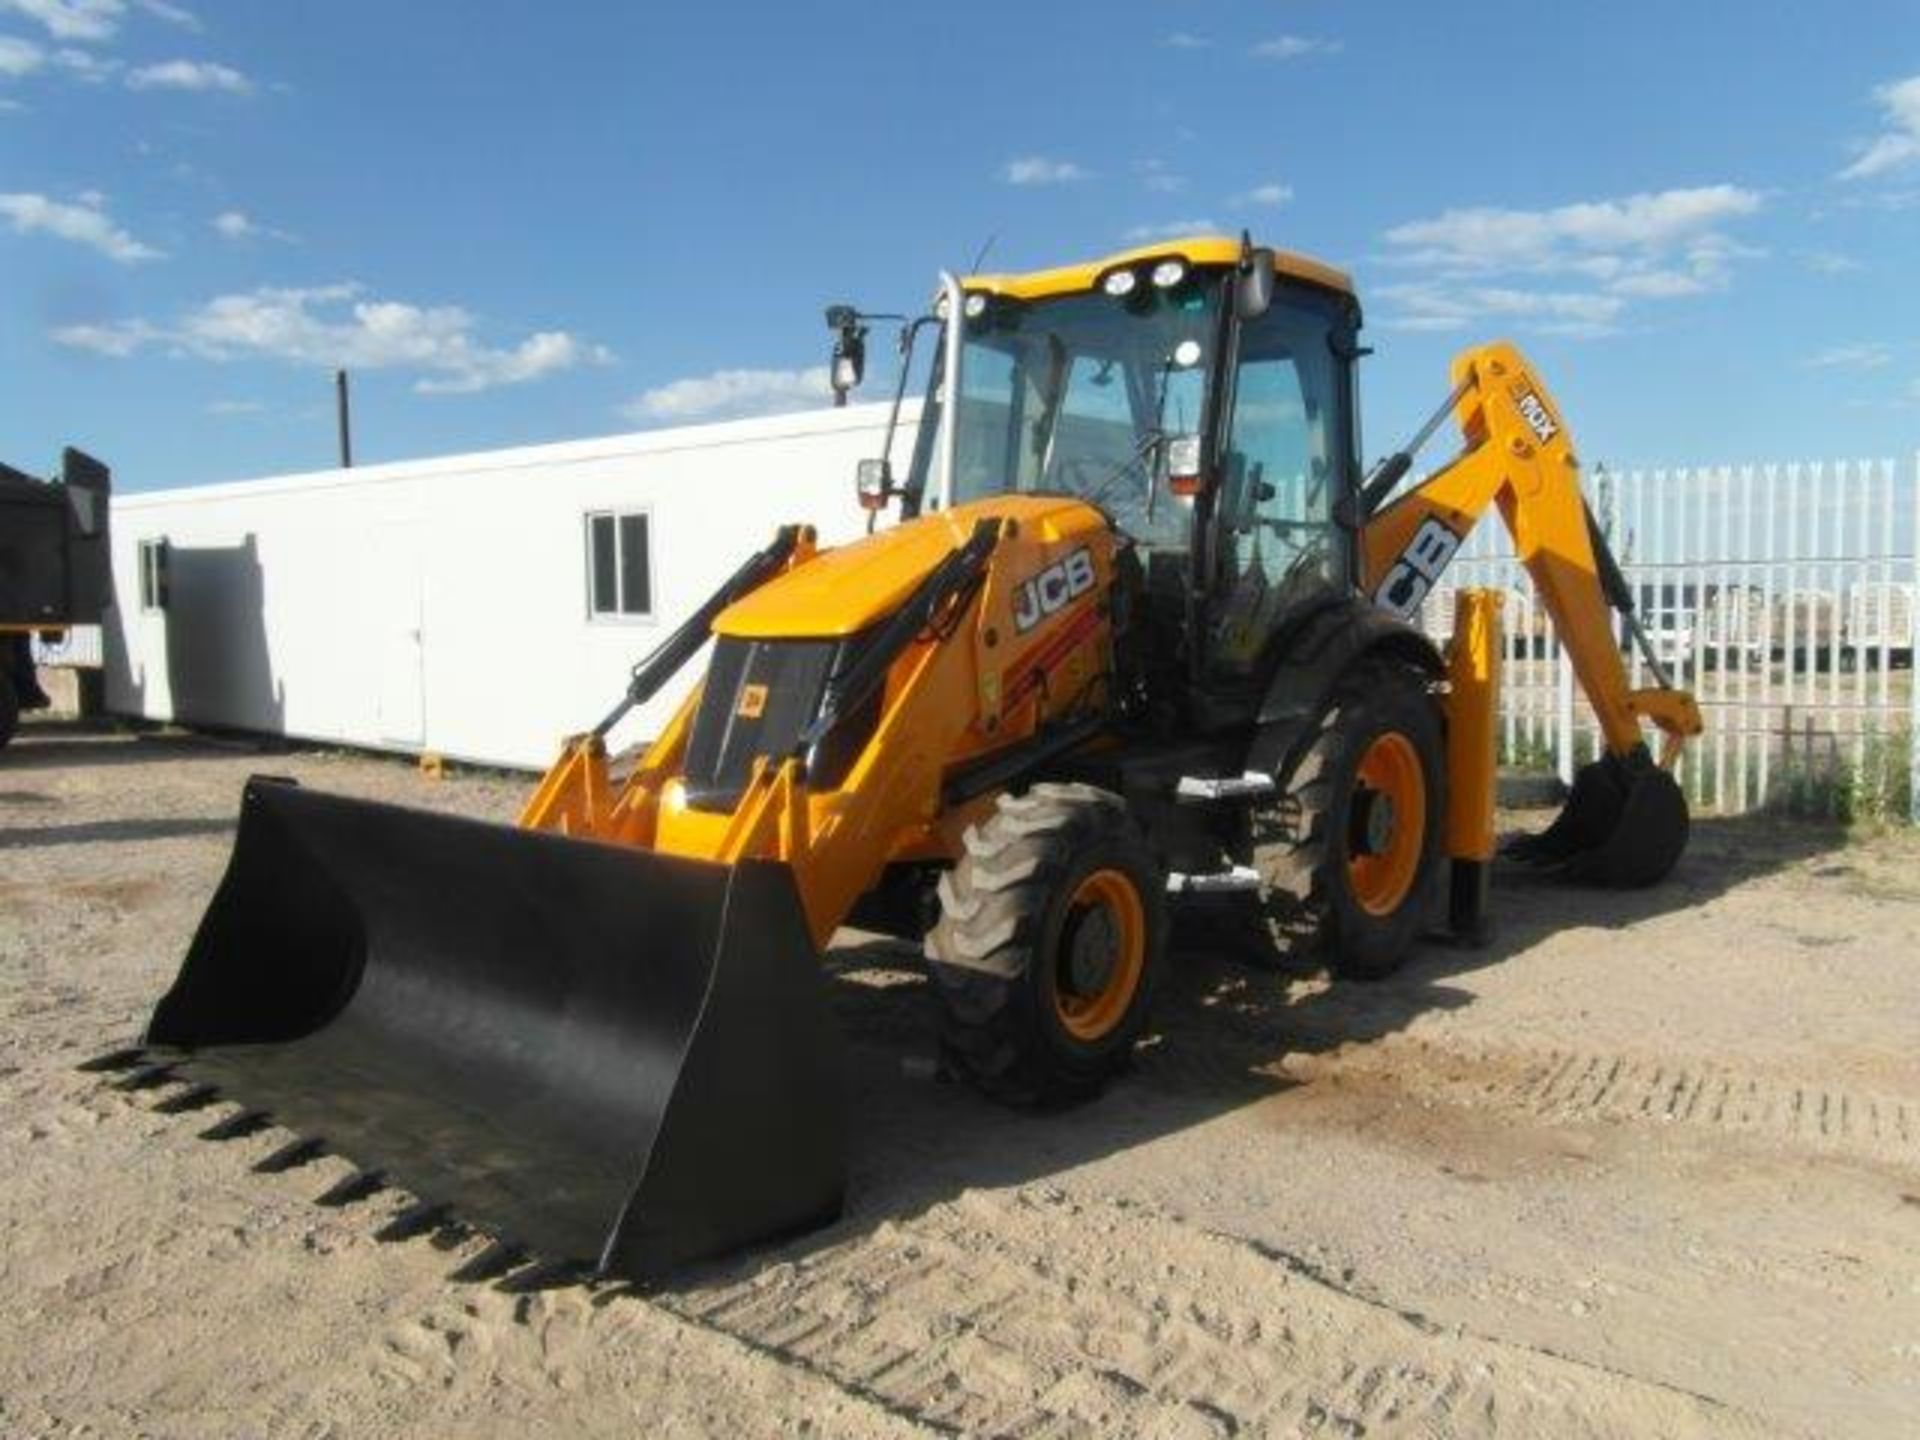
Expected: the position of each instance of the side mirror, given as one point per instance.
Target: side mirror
(849, 351)
(1253, 284)
(873, 479)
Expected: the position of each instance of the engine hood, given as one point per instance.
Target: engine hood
(842, 592)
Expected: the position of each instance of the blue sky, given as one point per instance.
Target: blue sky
(518, 222)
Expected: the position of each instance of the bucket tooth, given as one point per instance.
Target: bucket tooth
(122, 1059)
(245, 1122)
(418, 1219)
(544, 1275)
(355, 1187)
(196, 1098)
(500, 1257)
(146, 1077)
(291, 1155)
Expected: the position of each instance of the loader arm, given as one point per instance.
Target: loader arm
(957, 678)
(1519, 455)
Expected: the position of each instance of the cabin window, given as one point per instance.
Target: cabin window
(619, 564)
(153, 574)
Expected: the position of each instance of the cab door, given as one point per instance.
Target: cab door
(1284, 458)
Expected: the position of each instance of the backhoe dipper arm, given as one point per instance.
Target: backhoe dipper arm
(1520, 455)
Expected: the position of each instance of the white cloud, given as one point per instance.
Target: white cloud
(1889, 201)
(1140, 234)
(1434, 306)
(19, 57)
(1831, 262)
(1292, 47)
(1486, 238)
(85, 223)
(238, 225)
(202, 75)
(333, 325)
(1268, 195)
(85, 65)
(731, 394)
(475, 368)
(119, 340)
(1658, 284)
(92, 21)
(1898, 146)
(86, 20)
(235, 407)
(1645, 247)
(1041, 170)
(1181, 40)
(172, 14)
(1866, 355)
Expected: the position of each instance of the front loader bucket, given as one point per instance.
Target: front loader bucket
(1624, 824)
(599, 1055)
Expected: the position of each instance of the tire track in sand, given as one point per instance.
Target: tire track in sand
(1037, 1314)
(1572, 1085)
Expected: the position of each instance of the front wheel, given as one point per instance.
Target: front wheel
(1350, 852)
(1050, 941)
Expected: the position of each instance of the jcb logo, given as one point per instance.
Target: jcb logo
(1419, 565)
(1052, 588)
(1539, 419)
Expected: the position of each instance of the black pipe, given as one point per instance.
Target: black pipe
(344, 412)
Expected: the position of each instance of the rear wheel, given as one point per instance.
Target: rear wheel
(1350, 852)
(1049, 943)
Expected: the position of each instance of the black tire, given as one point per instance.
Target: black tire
(1014, 918)
(1305, 841)
(9, 708)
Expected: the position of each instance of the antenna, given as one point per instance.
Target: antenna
(980, 259)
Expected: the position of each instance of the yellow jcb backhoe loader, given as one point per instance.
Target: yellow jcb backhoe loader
(1140, 636)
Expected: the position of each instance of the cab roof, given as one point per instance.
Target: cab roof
(1196, 250)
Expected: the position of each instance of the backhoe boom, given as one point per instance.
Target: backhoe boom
(1519, 455)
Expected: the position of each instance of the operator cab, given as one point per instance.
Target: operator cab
(1198, 392)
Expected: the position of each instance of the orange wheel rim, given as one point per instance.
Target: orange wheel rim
(1102, 954)
(1389, 825)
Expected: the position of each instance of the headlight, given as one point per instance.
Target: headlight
(976, 305)
(1119, 283)
(1169, 273)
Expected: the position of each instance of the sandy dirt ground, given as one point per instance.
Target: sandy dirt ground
(1650, 1164)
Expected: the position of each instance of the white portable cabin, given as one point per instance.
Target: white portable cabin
(478, 606)
(1880, 616)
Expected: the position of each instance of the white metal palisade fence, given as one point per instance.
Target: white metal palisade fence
(1786, 597)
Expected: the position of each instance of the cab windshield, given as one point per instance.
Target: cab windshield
(1084, 395)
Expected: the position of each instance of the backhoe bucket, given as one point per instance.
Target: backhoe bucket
(1624, 825)
(600, 1055)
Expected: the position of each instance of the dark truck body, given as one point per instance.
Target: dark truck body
(55, 567)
